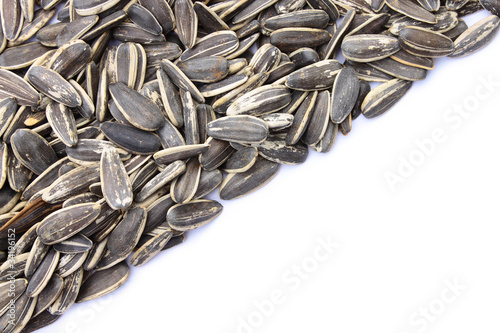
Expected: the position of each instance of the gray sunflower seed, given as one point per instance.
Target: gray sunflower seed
(192, 215)
(261, 101)
(170, 98)
(230, 9)
(368, 73)
(8, 108)
(25, 242)
(63, 123)
(291, 39)
(223, 86)
(104, 24)
(80, 198)
(43, 273)
(445, 21)
(130, 138)
(143, 175)
(181, 80)
(12, 85)
(301, 119)
(241, 160)
(137, 109)
(425, 43)
(133, 164)
(103, 282)
(8, 199)
(12, 19)
(28, 9)
(366, 48)
(205, 70)
(220, 43)
(157, 212)
(156, 52)
(208, 19)
(265, 59)
(141, 67)
(412, 10)
(411, 60)
(181, 152)
(344, 94)
(37, 253)
(32, 150)
(70, 289)
(317, 76)
(109, 260)
(288, 6)
(40, 321)
(184, 187)
(54, 86)
(492, 6)
(187, 22)
(126, 61)
(125, 236)
(116, 185)
(303, 57)
(75, 244)
(326, 143)
(163, 13)
(76, 29)
(476, 37)
(216, 154)
(70, 263)
(129, 32)
(144, 19)
(320, 117)
(399, 70)
(88, 151)
(239, 128)
(95, 255)
(19, 285)
(328, 6)
(383, 97)
(278, 121)
(86, 109)
(49, 294)
(457, 31)
(23, 310)
(70, 58)
(86, 8)
(430, 5)
(364, 89)
(170, 136)
(22, 56)
(67, 222)
(168, 174)
(209, 181)
(455, 4)
(44, 179)
(151, 248)
(191, 132)
(255, 81)
(236, 185)
(311, 18)
(14, 267)
(48, 34)
(275, 149)
(339, 34)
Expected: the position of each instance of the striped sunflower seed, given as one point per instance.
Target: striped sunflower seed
(192, 215)
(476, 37)
(383, 97)
(240, 128)
(115, 182)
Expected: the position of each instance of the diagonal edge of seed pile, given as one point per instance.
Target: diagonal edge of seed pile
(108, 149)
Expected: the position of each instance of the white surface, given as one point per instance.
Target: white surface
(397, 248)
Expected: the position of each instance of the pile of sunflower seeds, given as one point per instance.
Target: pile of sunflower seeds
(118, 121)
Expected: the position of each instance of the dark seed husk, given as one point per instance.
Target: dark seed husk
(301, 119)
(220, 43)
(62, 121)
(12, 85)
(129, 32)
(261, 101)
(206, 69)
(366, 48)
(104, 24)
(54, 86)
(383, 97)
(125, 236)
(181, 152)
(49, 294)
(156, 52)
(152, 247)
(32, 150)
(275, 149)
(181, 80)
(37, 253)
(170, 98)
(320, 117)
(184, 187)
(103, 282)
(412, 10)
(291, 39)
(168, 174)
(75, 244)
(76, 29)
(40, 321)
(144, 19)
(137, 109)
(411, 60)
(208, 19)
(344, 94)
(317, 76)
(492, 6)
(476, 37)
(43, 273)
(216, 154)
(115, 182)
(425, 43)
(303, 57)
(399, 70)
(236, 185)
(241, 160)
(71, 287)
(339, 34)
(70, 58)
(163, 13)
(14, 267)
(22, 56)
(192, 215)
(131, 139)
(240, 128)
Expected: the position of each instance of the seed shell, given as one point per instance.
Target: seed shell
(115, 183)
(383, 97)
(192, 215)
(476, 37)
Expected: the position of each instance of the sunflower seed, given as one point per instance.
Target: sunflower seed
(62, 121)
(130, 138)
(261, 101)
(129, 32)
(383, 97)
(144, 19)
(186, 21)
(476, 37)
(319, 119)
(7, 297)
(366, 48)
(411, 60)
(445, 21)
(344, 94)
(54, 86)
(88, 151)
(425, 43)
(67, 297)
(216, 154)
(208, 19)
(43, 273)
(70, 263)
(301, 119)
(32, 150)
(103, 282)
(163, 13)
(205, 70)
(76, 29)
(220, 43)
(12, 85)
(399, 70)
(116, 185)
(22, 56)
(12, 19)
(317, 76)
(23, 310)
(137, 109)
(412, 10)
(192, 215)
(291, 39)
(239, 128)
(236, 185)
(181, 80)
(168, 174)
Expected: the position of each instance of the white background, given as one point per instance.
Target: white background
(396, 248)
